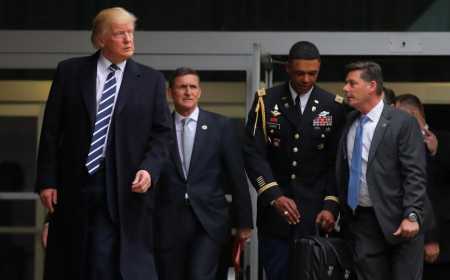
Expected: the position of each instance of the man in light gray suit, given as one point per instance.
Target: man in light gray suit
(381, 178)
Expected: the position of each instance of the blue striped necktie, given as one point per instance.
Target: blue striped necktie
(356, 165)
(102, 121)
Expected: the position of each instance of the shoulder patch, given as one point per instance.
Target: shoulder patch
(339, 99)
(261, 92)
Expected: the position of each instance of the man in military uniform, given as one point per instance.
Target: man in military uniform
(292, 135)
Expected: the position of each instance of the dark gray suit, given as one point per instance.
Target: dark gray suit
(396, 183)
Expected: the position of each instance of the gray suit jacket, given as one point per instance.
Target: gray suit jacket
(396, 170)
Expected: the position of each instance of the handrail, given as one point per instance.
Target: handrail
(18, 196)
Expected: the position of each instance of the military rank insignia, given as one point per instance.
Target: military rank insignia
(275, 113)
(323, 119)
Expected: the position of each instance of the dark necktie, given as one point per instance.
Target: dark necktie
(102, 121)
(298, 106)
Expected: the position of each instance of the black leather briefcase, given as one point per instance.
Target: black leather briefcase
(320, 258)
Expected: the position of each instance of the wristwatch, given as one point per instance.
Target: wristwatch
(412, 217)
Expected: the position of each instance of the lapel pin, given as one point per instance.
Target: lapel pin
(316, 101)
(313, 108)
(204, 127)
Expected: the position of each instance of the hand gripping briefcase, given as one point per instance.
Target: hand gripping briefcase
(320, 258)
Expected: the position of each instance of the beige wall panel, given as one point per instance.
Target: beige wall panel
(232, 93)
(24, 91)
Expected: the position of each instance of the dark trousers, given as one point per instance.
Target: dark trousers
(275, 257)
(194, 256)
(101, 234)
(375, 259)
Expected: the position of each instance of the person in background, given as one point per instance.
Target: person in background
(388, 96)
(437, 144)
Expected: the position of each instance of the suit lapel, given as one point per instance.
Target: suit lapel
(175, 152)
(88, 83)
(350, 120)
(382, 125)
(201, 133)
(287, 107)
(129, 80)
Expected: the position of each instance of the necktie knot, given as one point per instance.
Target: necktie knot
(363, 120)
(113, 68)
(185, 121)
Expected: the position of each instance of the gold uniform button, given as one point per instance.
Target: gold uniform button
(295, 149)
(296, 136)
(294, 163)
(293, 176)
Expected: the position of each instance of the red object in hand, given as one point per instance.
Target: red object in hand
(238, 247)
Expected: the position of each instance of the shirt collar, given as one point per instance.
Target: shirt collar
(294, 93)
(375, 114)
(193, 115)
(104, 63)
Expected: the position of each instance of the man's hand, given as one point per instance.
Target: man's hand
(44, 235)
(431, 141)
(244, 233)
(142, 182)
(407, 229)
(326, 220)
(49, 198)
(287, 208)
(431, 252)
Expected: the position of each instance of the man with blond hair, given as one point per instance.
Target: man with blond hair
(104, 135)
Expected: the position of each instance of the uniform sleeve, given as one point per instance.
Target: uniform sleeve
(231, 151)
(331, 201)
(257, 166)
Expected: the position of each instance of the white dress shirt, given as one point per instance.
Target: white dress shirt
(303, 98)
(368, 131)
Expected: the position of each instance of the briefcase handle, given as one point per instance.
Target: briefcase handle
(329, 244)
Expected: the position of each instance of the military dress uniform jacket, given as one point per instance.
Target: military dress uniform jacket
(293, 154)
